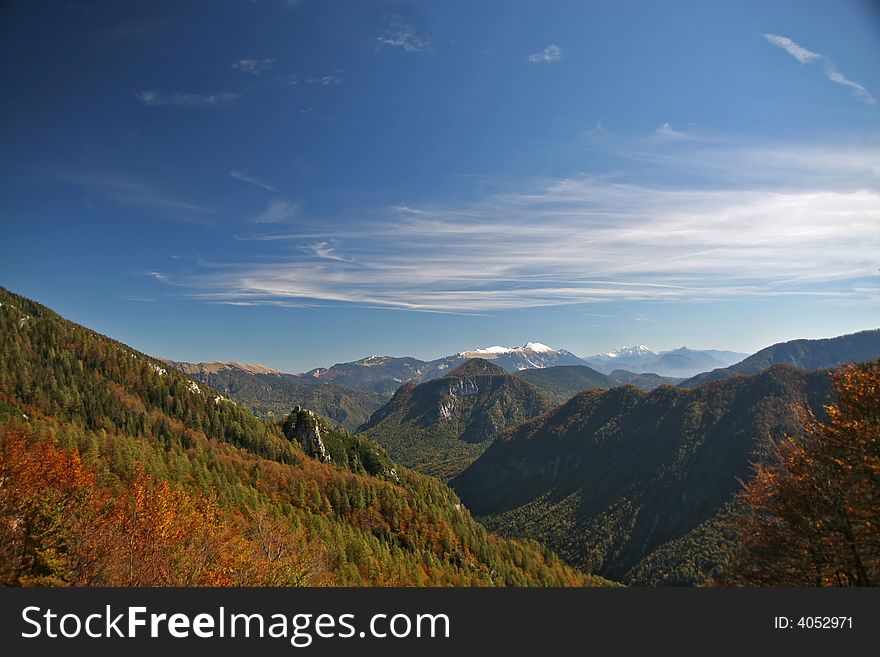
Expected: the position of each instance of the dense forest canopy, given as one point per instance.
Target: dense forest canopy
(116, 469)
(106, 451)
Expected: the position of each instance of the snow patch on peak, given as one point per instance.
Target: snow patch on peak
(371, 361)
(497, 349)
(629, 351)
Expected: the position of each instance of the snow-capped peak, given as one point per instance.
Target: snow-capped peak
(629, 351)
(497, 349)
(538, 347)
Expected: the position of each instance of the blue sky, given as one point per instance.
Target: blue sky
(303, 183)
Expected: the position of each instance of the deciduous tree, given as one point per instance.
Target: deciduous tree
(811, 514)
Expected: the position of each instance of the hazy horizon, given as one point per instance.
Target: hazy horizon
(305, 183)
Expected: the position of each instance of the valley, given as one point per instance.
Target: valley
(627, 477)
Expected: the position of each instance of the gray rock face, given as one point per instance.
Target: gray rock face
(307, 433)
(457, 388)
(462, 387)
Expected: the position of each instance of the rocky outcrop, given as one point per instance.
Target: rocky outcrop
(462, 387)
(457, 388)
(302, 426)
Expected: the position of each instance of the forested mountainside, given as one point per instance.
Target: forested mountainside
(645, 381)
(271, 394)
(563, 382)
(631, 484)
(116, 469)
(806, 354)
(439, 427)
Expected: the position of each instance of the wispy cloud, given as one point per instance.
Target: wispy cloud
(244, 177)
(551, 53)
(803, 55)
(578, 240)
(325, 81)
(596, 131)
(806, 56)
(858, 90)
(158, 99)
(399, 34)
(277, 212)
(135, 192)
(253, 66)
(330, 80)
(665, 132)
(326, 251)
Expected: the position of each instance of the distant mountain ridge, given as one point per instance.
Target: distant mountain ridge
(645, 381)
(270, 393)
(806, 354)
(532, 355)
(682, 362)
(348, 393)
(214, 367)
(380, 374)
(384, 374)
(169, 483)
(562, 382)
(441, 425)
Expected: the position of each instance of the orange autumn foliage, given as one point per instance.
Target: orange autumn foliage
(42, 491)
(59, 527)
(811, 515)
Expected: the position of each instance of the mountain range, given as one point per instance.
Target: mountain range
(620, 474)
(806, 354)
(270, 393)
(440, 426)
(126, 471)
(562, 382)
(349, 393)
(384, 374)
(681, 362)
(637, 485)
(632, 484)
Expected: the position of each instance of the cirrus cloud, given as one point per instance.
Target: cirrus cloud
(586, 239)
(806, 56)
